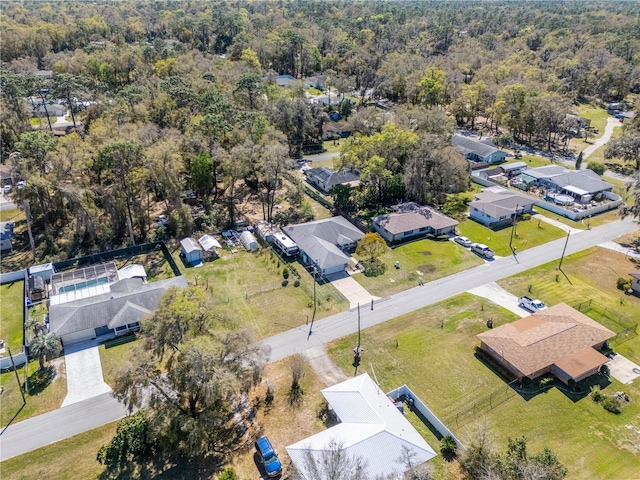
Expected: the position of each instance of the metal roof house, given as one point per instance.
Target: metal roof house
(411, 220)
(478, 151)
(323, 243)
(559, 340)
(324, 178)
(372, 428)
(190, 251)
(113, 312)
(495, 207)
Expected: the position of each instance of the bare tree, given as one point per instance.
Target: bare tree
(297, 367)
(331, 463)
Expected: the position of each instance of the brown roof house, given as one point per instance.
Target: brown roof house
(410, 220)
(559, 340)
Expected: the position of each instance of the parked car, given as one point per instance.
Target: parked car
(7, 188)
(21, 184)
(482, 250)
(531, 304)
(464, 241)
(268, 457)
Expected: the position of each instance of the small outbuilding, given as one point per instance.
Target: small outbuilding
(249, 241)
(190, 251)
(37, 289)
(46, 271)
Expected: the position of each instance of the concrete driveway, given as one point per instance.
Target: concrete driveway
(352, 290)
(84, 373)
(623, 369)
(498, 295)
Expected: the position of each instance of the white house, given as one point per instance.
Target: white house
(496, 206)
(371, 428)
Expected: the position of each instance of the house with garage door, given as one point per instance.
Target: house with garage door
(410, 220)
(558, 340)
(96, 301)
(495, 207)
(325, 244)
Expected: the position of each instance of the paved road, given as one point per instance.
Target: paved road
(6, 203)
(65, 422)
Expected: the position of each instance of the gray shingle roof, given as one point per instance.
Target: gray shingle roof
(467, 145)
(121, 306)
(320, 239)
(585, 180)
(500, 203)
(330, 177)
(420, 217)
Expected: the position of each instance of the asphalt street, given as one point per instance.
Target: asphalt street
(65, 422)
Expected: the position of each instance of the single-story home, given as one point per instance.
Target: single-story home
(559, 340)
(580, 184)
(335, 131)
(478, 150)
(371, 428)
(324, 178)
(324, 244)
(6, 235)
(190, 251)
(496, 206)
(410, 220)
(280, 80)
(514, 168)
(113, 310)
(635, 281)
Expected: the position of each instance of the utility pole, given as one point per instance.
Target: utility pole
(315, 300)
(563, 251)
(27, 210)
(513, 230)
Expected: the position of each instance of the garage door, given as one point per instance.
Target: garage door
(78, 336)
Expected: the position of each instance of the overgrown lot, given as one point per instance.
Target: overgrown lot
(246, 289)
(528, 234)
(427, 258)
(435, 358)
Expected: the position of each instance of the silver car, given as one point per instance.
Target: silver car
(464, 241)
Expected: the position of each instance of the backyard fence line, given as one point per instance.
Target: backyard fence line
(9, 277)
(485, 404)
(624, 327)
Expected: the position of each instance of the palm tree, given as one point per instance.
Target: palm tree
(35, 325)
(45, 345)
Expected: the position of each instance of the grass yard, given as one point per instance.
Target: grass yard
(41, 398)
(11, 303)
(593, 274)
(528, 234)
(72, 458)
(427, 258)
(435, 359)
(534, 161)
(598, 117)
(114, 359)
(331, 147)
(246, 287)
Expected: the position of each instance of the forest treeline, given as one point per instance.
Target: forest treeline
(179, 95)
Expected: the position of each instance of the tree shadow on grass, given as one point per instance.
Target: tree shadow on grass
(583, 387)
(41, 379)
(165, 467)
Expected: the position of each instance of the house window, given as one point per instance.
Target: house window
(121, 328)
(423, 229)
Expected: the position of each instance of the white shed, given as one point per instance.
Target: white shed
(249, 241)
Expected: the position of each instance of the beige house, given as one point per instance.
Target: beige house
(558, 340)
(411, 220)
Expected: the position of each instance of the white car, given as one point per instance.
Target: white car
(21, 184)
(464, 241)
(7, 189)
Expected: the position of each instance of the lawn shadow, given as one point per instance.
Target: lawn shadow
(41, 379)
(166, 467)
(583, 387)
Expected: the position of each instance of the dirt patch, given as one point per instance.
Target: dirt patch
(425, 253)
(424, 269)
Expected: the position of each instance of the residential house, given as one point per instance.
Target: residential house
(583, 185)
(371, 428)
(335, 131)
(558, 340)
(513, 169)
(410, 220)
(315, 82)
(496, 207)
(478, 150)
(190, 251)
(324, 244)
(94, 302)
(280, 80)
(324, 178)
(6, 235)
(635, 281)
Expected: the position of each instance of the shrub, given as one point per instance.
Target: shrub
(229, 474)
(296, 283)
(612, 404)
(373, 267)
(285, 273)
(596, 395)
(622, 283)
(448, 447)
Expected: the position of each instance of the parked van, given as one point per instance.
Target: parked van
(482, 250)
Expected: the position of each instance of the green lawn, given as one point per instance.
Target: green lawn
(11, 303)
(114, 359)
(533, 161)
(246, 288)
(598, 117)
(593, 274)
(437, 362)
(427, 258)
(528, 234)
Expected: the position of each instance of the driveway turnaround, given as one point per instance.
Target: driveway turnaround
(622, 369)
(352, 290)
(84, 373)
(498, 295)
